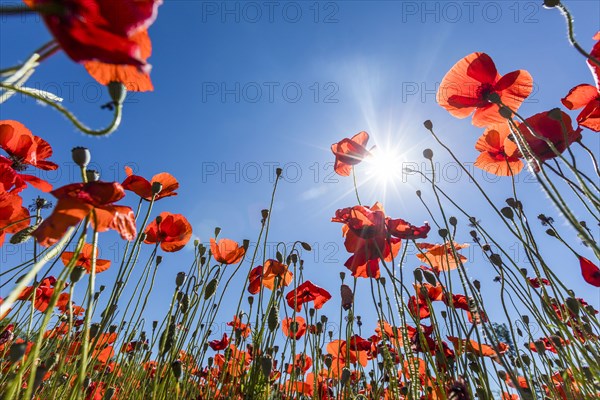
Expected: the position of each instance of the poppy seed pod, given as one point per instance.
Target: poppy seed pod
(177, 370)
(264, 214)
(117, 92)
(278, 172)
(453, 221)
(23, 235)
(92, 175)
(428, 154)
(273, 320)
(507, 212)
(156, 188)
(266, 365)
(551, 3)
(493, 97)
(428, 125)
(505, 112)
(81, 156)
(76, 274)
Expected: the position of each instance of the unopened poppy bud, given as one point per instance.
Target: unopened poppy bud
(264, 214)
(551, 3)
(347, 297)
(493, 97)
(382, 280)
(266, 365)
(443, 232)
(156, 188)
(23, 235)
(486, 247)
(496, 259)
(555, 114)
(418, 192)
(246, 244)
(278, 172)
(345, 376)
(109, 394)
(507, 212)
(525, 319)
(311, 312)
(551, 232)
(418, 273)
(154, 324)
(453, 221)
(444, 314)
(430, 277)
(76, 274)
(250, 300)
(180, 279)
(273, 320)
(102, 287)
(81, 156)
(428, 154)
(477, 284)
(211, 288)
(17, 351)
(117, 92)
(92, 175)
(158, 260)
(177, 370)
(428, 125)
(505, 112)
(342, 276)
(158, 219)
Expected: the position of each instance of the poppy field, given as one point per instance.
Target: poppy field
(108, 291)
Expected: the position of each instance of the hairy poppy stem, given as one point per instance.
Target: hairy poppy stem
(571, 34)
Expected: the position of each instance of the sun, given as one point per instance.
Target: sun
(384, 165)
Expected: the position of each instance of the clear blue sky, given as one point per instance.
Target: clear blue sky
(243, 87)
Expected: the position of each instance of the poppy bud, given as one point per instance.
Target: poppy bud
(250, 300)
(505, 112)
(555, 114)
(117, 92)
(382, 280)
(264, 214)
(77, 274)
(573, 305)
(266, 365)
(342, 276)
(92, 175)
(540, 346)
(245, 244)
(477, 284)
(525, 319)
(177, 370)
(211, 288)
(496, 259)
(273, 320)
(17, 351)
(428, 125)
(158, 260)
(306, 246)
(23, 235)
(493, 97)
(418, 192)
(217, 231)
(345, 376)
(154, 324)
(428, 154)
(81, 156)
(443, 232)
(156, 188)
(453, 221)
(507, 212)
(418, 273)
(180, 279)
(430, 277)
(551, 3)
(551, 232)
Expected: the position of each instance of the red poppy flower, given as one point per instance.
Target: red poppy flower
(550, 129)
(226, 251)
(84, 260)
(499, 155)
(466, 87)
(418, 307)
(97, 29)
(549, 344)
(587, 97)
(306, 292)
(404, 230)
(349, 152)
(428, 291)
(294, 328)
(172, 232)
(222, 344)
(13, 216)
(24, 149)
(459, 301)
(537, 282)
(77, 200)
(479, 349)
(590, 272)
(143, 188)
(134, 79)
(43, 294)
(367, 239)
(302, 363)
(340, 351)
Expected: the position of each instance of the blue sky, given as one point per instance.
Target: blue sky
(244, 87)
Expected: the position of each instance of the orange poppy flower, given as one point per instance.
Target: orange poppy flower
(172, 232)
(340, 351)
(76, 201)
(550, 129)
(349, 152)
(294, 328)
(301, 388)
(587, 96)
(226, 251)
(499, 155)
(84, 260)
(11, 211)
(302, 362)
(440, 257)
(466, 87)
(428, 291)
(404, 230)
(143, 188)
(239, 326)
(24, 149)
(306, 292)
(418, 307)
(134, 79)
(479, 349)
(266, 276)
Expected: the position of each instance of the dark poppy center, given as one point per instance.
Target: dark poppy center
(484, 91)
(18, 163)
